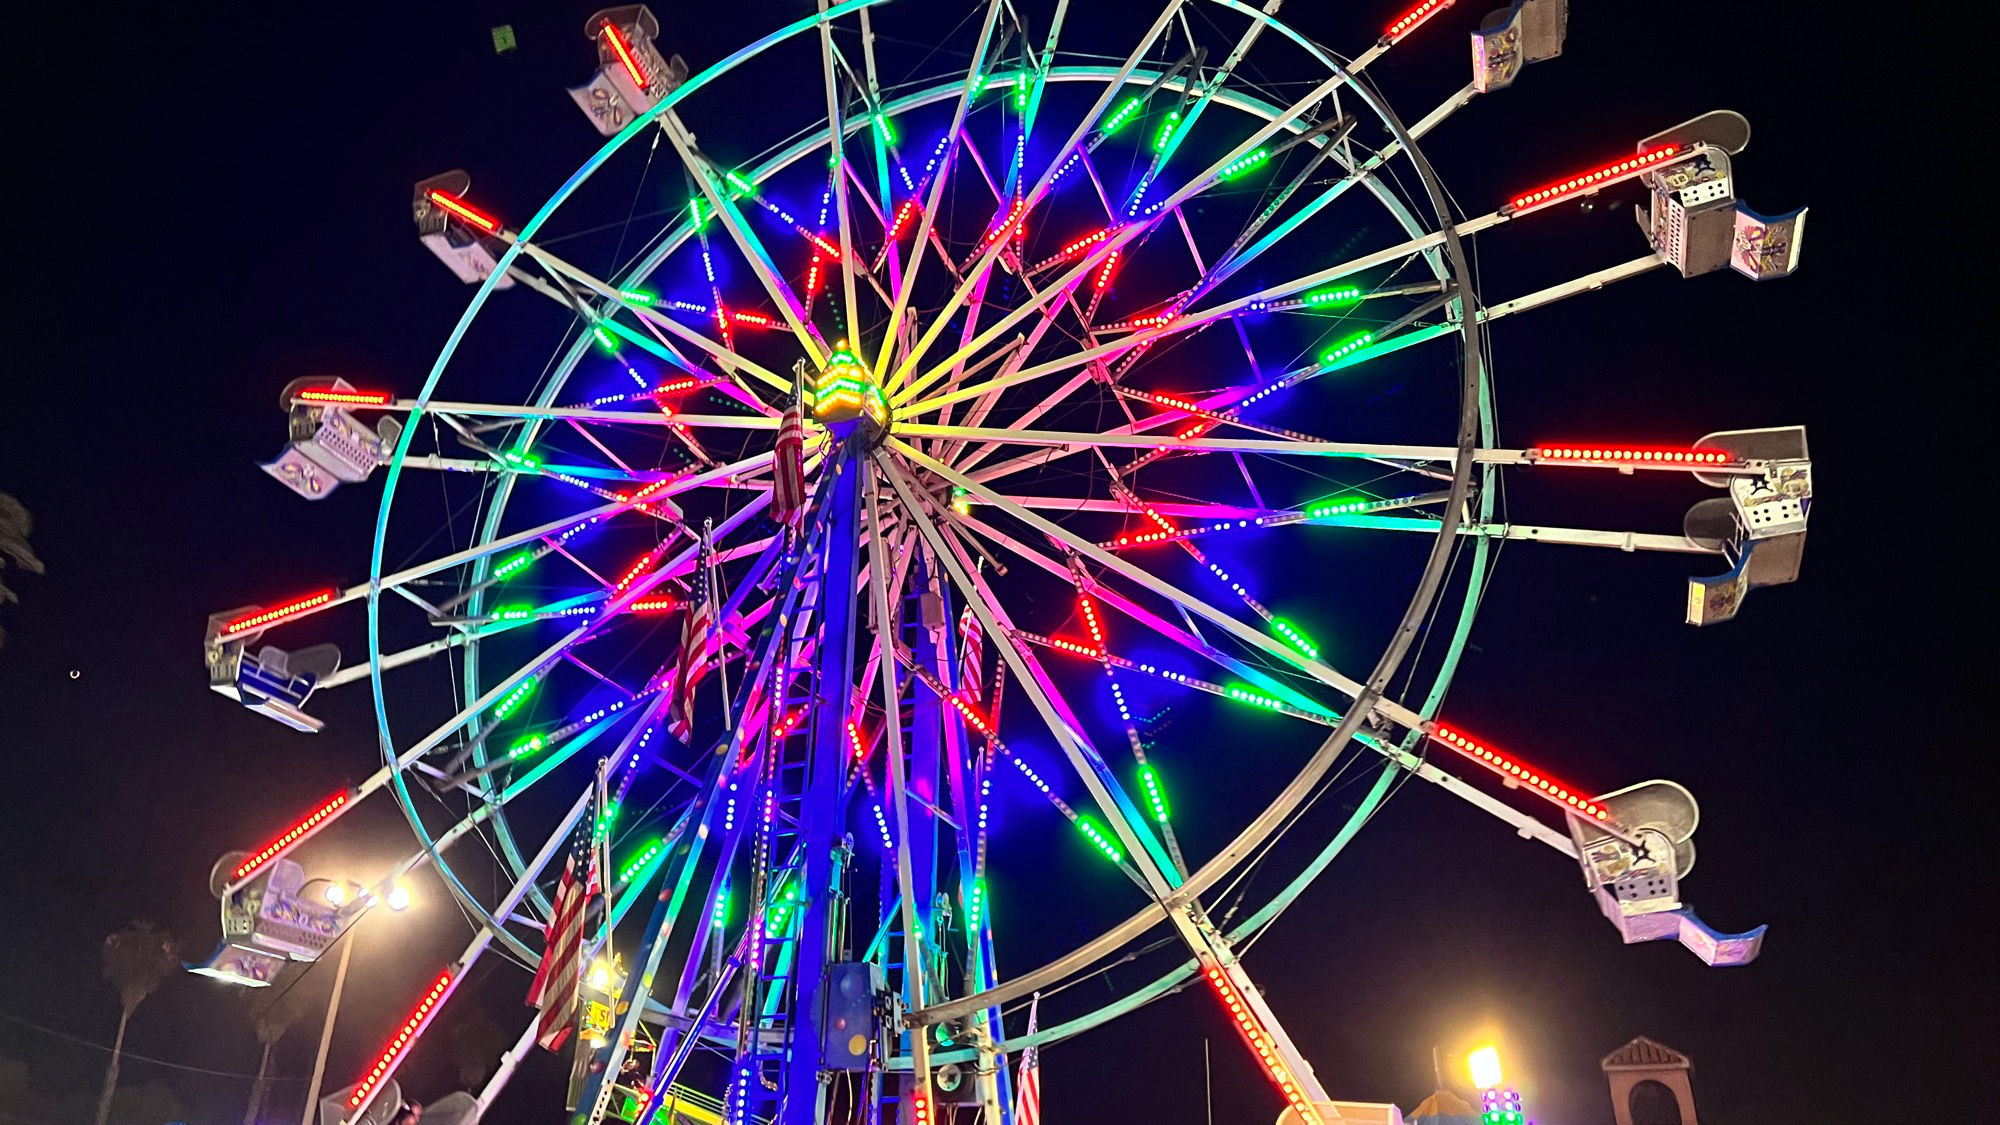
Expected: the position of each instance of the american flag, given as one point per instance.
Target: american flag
(697, 641)
(1028, 1088)
(554, 989)
(788, 469)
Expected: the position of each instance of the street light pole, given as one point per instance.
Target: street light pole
(326, 1029)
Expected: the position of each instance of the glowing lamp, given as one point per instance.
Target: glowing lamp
(1484, 1064)
(399, 897)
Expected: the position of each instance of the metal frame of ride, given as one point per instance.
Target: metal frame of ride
(888, 576)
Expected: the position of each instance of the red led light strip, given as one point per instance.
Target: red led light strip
(457, 207)
(1006, 224)
(387, 1062)
(344, 398)
(653, 605)
(292, 835)
(825, 247)
(1252, 1030)
(1594, 178)
(1508, 767)
(635, 497)
(640, 567)
(265, 617)
(1090, 620)
(789, 723)
(1415, 16)
(624, 52)
(1215, 416)
(677, 386)
(1104, 274)
(903, 214)
(1073, 249)
(1638, 456)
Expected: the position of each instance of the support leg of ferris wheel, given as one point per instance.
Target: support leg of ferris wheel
(707, 933)
(820, 817)
(836, 136)
(915, 961)
(1289, 1068)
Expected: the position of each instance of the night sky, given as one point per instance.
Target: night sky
(216, 203)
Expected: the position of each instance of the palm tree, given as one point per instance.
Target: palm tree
(136, 959)
(15, 524)
(271, 1019)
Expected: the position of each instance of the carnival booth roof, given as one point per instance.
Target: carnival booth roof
(1643, 1052)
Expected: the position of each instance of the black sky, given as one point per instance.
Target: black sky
(212, 202)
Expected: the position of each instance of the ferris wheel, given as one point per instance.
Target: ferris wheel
(887, 530)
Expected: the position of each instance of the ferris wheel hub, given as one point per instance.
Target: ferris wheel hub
(846, 392)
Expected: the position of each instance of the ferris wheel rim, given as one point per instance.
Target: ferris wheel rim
(805, 144)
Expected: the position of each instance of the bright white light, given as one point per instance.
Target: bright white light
(1485, 1064)
(336, 893)
(399, 897)
(600, 975)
